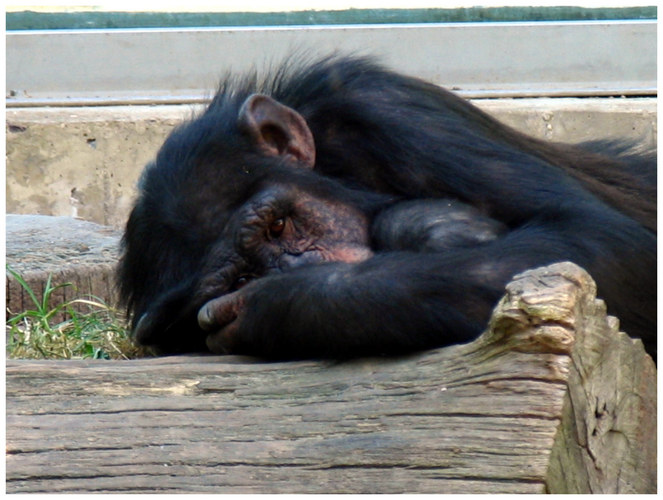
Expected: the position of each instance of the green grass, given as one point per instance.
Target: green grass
(93, 329)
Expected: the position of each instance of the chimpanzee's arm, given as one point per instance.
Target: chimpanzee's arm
(432, 225)
(397, 302)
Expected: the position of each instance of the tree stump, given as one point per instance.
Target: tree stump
(551, 398)
(69, 251)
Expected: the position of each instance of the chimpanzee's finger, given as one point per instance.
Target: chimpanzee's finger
(219, 312)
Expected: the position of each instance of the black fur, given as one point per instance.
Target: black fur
(378, 132)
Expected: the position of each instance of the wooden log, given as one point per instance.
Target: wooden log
(552, 398)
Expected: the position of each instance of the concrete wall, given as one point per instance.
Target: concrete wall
(84, 162)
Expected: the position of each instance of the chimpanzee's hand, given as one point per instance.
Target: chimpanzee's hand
(221, 317)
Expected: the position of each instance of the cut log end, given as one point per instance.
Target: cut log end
(541, 310)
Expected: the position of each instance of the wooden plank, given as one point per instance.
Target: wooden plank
(498, 415)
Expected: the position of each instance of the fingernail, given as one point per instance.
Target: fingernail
(205, 319)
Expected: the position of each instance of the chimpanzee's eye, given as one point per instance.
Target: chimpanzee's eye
(276, 228)
(241, 281)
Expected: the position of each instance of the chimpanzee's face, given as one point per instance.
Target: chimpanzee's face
(281, 227)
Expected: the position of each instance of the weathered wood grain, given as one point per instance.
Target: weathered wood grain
(550, 398)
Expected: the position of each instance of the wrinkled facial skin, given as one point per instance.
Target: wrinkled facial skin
(284, 227)
(280, 228)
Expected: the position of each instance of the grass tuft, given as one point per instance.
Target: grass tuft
(93, 330)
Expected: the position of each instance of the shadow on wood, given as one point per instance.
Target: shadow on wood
(552, 398)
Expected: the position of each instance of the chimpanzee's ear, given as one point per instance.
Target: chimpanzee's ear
(277, 129)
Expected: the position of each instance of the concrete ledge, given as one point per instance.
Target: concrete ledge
(84, 162)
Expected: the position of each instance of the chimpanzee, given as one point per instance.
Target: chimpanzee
(339, 209)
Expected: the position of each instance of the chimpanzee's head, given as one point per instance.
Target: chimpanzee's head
(231, 196)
